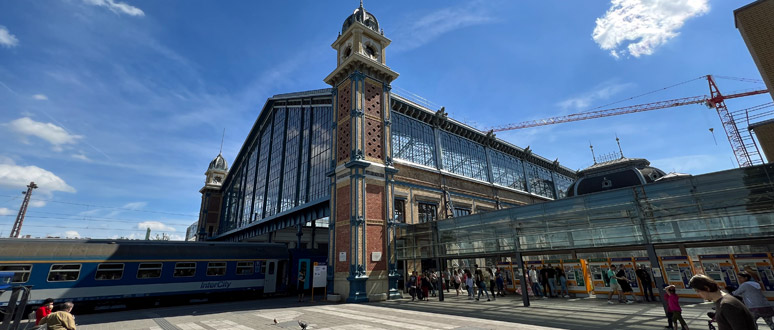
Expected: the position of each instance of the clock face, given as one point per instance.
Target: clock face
(216, 179)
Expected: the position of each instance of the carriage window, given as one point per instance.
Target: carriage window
(21, 273)
(149, 271)
(185, 269)
(64, 272)
(244, 268)
(216, 268)
(109, 272)
(271, 268)
(263, 267)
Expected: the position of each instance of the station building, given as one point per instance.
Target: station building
(387, 185)
(344, 168)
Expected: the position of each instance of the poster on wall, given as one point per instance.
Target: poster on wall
(759, 266)
(720, 268)
(678, 271)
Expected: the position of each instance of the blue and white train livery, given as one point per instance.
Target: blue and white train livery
(104, 272)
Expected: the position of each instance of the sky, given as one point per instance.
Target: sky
(116, 107)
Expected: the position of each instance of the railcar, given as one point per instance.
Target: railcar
(103, 274)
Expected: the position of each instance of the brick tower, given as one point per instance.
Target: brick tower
(362, 250)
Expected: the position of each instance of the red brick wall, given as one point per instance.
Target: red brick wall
(374, 202)
(373, 100)
(373, 138)
(342, 245)
(342, 204)
(345, 100)
(343, 139)
(375, 243)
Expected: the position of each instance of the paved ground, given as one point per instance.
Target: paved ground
(453, 313)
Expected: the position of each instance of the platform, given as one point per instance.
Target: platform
(453, 313)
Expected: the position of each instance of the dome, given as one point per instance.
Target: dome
(218, 164)
(619, 173)
(362, 16)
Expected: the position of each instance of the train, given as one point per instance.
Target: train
(100, 274)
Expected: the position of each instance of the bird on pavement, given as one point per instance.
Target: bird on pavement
(302, 324)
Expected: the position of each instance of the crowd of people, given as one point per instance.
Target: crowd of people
(474, 282)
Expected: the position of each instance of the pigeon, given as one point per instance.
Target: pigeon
(302, 324)
(275, 321)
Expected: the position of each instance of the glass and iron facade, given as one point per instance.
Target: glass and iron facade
(730, 206)
(420, 138)
(283, 164)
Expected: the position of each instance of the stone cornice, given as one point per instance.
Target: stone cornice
(359, 62)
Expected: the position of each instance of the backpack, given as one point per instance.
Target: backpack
(606, 278)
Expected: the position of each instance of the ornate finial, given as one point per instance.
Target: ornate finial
(592, 153)
(361, 4)
(619, 145)
(221, 142)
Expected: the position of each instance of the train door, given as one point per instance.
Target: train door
(270, 281)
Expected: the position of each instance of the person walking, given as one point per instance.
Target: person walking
(301, 281)
(646, 283)
(457, 281)
(673, 306)
(481, 280)
(615, 288)
(536, 288)
(413, 284)
(562, 282)
(623, 281)
(44, 310)
(469, 284)
(551, 277)
(425, 280)
(61, 319)
(730, 313)
(447, 278)
(492, 283)
(500, 281)
(753, 298)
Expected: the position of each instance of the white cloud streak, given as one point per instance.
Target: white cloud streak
(72, 234)
(6, 211)
(638, 27)
(40, 97)
(601, 92)
(154, 225)
(54, 134)
(430, 26)
(7, 39)
(117, 7)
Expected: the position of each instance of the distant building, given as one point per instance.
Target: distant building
(192, 232)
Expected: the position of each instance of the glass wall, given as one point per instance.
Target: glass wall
(731, 205)
(414, 141)
(285, 166)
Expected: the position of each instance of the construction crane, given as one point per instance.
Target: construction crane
(716, 101)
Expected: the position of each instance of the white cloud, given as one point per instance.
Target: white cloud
(41, 97)
(37, 203)
(14, 176)
(135, 205)
(175, 237)
(6, 38)
(598, 93)
(638, 27)
(82, 157)
(691, 164)
(424, 29)
(154, 225)
(117, 7)
(54, 134)
(6, 211)
(72, 234)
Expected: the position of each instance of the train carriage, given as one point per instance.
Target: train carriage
(104, 272)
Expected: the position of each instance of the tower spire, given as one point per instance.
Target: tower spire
(619, 145)
(592, 152)
(221, 142)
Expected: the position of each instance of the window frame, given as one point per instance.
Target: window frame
(140, 268)
(244, 265)
(178, 267)
(211, 265)
(427, 204)
(78, 272)
(96, 273)
(399, 216)
(27, 272)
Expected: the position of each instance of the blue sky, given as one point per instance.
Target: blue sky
(116, 107)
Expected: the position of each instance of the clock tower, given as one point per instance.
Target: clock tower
(362, 229)
(209, 212)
